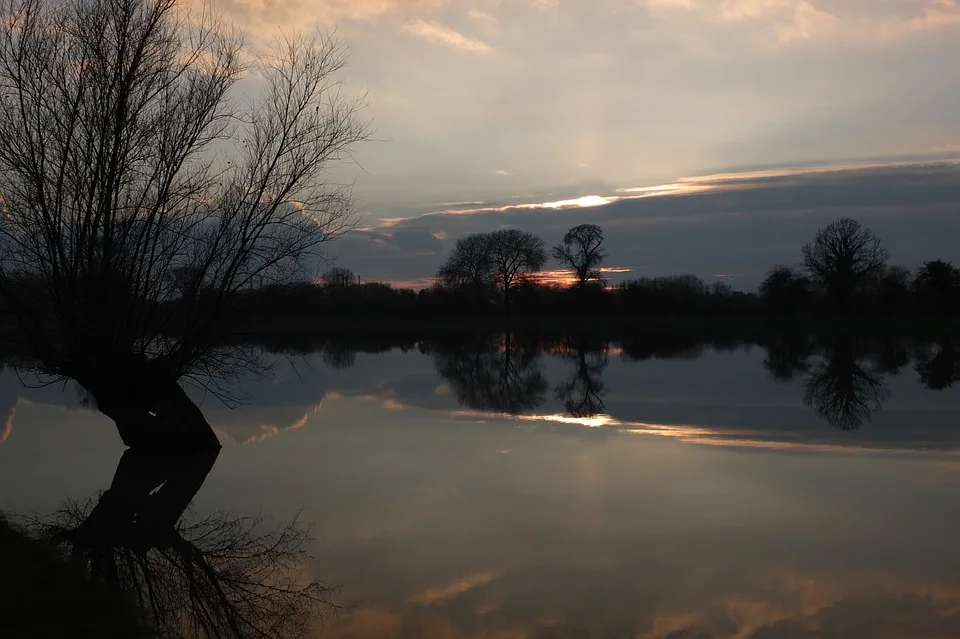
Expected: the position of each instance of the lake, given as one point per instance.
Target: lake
(504, 490)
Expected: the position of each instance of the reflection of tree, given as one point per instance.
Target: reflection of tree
(893, 356)
(489, 373)
(582, 393)
(940, 369)
(338, 355)
(787, 356)
(220, 577)
(844, 393)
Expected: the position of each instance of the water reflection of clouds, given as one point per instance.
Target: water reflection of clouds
(653, 539)
(590, 531)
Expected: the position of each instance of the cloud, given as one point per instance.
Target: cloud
(731, 222)
(936, 15)
(436, 32)
(808, 22)
(443, 594)
(670, 4)
(484, 19)
(791, 20)
(8, 425)
(292, 12)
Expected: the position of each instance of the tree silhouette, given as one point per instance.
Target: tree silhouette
(845, 394)
(469, 266)
(788, 356)
(338, 276)
(582, 251)
(220, 577)
(843, 257)
(493, 373)
(515, 254)
(784, 291)
(892, 289)
(139, 198)
(940, 281)
(582, 393)
(940, 369)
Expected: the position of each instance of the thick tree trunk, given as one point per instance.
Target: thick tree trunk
(150, 408)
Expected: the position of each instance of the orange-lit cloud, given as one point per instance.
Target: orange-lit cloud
(433, 31)
(261, 431)
(566, 277)
(8, 425)
(445, 593)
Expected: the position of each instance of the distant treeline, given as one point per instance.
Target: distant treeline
(491, 279)
(844, 271)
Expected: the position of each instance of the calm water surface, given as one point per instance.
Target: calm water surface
(665, 498)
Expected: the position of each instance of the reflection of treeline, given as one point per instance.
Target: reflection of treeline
(841, 375)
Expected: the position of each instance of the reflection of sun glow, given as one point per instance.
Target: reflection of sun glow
(694, 434)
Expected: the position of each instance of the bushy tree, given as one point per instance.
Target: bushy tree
(785, 290)
(939, 282)
(469, 266)
(338, 277)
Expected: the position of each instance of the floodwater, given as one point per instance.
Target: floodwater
(507, 492)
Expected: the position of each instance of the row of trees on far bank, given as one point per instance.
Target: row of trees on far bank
(483, 264)
(843, 269)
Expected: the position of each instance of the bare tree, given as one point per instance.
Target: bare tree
(845, 393)
(140, 193)
(338, 276)
(516, 255)
(582, 250)
(582, 393)
(843, 257)
(469, 266)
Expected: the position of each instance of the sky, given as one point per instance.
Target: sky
(484, 108)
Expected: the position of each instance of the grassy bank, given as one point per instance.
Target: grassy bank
(44, 595)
